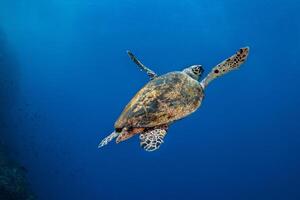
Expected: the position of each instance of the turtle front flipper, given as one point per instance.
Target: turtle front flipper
(152, 139)
(149, 72)
(234, 62)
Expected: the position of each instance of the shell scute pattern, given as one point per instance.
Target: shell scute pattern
(163, 100)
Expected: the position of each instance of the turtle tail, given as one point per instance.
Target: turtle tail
(109, 138)
(232, 63)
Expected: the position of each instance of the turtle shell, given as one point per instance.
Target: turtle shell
(163, 100)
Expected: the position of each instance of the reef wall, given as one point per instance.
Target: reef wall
(13, 183)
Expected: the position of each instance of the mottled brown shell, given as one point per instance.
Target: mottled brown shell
(163, 100)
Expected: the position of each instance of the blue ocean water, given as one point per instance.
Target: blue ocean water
(65, 78)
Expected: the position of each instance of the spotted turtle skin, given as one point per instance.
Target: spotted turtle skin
(161, 101)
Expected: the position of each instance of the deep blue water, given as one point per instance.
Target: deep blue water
(66, 78)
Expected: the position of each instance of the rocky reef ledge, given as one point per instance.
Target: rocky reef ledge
(13, 182)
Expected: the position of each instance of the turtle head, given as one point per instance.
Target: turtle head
(194, 71)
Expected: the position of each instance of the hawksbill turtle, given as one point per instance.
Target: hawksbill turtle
(165, 99)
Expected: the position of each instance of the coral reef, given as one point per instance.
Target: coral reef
(13, 183)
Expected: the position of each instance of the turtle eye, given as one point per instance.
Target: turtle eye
(197, 69)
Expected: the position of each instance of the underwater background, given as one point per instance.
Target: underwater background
(65, 78)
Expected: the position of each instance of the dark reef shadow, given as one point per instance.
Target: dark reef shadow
(13, 183)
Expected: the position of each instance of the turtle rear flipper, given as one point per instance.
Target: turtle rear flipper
(107, 139)
(227, 65)
(152, 139)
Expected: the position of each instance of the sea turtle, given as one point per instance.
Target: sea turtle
(165, 99)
